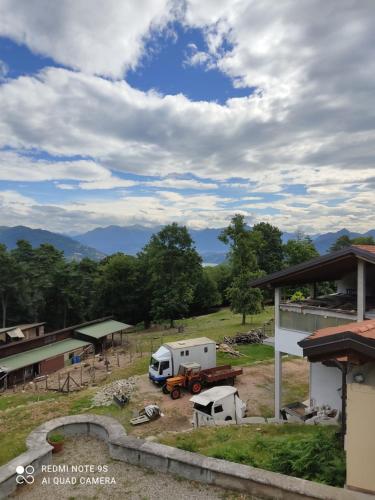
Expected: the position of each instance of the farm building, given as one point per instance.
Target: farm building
(48, 353)
(21, 332)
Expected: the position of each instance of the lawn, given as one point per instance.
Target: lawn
(215, 326)
(309, 452)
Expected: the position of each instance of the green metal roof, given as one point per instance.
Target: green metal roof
(28, 358)
(99, 330)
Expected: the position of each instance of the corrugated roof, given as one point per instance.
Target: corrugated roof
(364, 329)
(99, 330)
(27, 358)
(180, 344)
(24, 326)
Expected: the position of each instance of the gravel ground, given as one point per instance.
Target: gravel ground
(132, 483)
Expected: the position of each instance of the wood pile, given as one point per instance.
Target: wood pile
(229, 350)
(256, 336)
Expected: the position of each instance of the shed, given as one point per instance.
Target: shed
(98, 332)
(41, 360)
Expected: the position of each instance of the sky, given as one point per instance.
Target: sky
(156, 111)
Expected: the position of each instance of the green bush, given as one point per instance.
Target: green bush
(318, 458)
(297, 296)
(56, 438)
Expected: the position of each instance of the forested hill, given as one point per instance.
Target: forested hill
(72, 249)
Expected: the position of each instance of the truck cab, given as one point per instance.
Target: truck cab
(160, 365)
(216, 405)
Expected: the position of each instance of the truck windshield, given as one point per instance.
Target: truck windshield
(204, 409)
(154, 364)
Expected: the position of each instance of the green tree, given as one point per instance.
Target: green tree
(242, 298)
(241, 254)
(117, 288)
(10, 281)
(206, 293)
(341, 242)
(344, 241)
(173, 269)
(268, 247)
(299, 250)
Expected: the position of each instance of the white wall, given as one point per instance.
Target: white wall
(286, 341)
(348, 281)
(325, 385)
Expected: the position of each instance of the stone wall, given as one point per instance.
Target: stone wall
(166, 459)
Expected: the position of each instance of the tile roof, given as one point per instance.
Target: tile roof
(364, 329)
(366, 248)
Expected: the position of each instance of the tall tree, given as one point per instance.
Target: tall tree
(268, 247)
(243, 299)
(117, 288)
(10, 281)
(173, 270)
(242, 257)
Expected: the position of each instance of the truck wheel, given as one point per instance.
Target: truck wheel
(175, 393)
(196, 388)
(165, 389)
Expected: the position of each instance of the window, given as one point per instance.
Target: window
(164, 365)
(218, 409)
(186, 353)
(206, 349)
(182, 353)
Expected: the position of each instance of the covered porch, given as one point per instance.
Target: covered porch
(353, 272)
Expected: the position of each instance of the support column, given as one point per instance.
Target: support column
(361, 290)
(278, 364)
(278, 383)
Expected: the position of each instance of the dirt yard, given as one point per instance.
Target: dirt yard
(255, 387)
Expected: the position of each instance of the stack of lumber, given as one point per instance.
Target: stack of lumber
(253, 337)
(229, 350)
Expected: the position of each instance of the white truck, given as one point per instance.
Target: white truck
(165, 362)
(217, 405)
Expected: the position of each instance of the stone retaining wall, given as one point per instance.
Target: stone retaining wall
(166, 459)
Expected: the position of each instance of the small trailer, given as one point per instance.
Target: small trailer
(193, 378)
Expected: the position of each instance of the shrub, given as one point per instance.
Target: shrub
(56, 438)
(318, 458)
(297, 296)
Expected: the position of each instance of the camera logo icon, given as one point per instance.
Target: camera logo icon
(25, 475)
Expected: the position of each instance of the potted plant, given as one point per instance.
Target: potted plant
(57, 441)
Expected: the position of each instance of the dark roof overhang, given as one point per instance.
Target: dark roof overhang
(324, 268)
(356, 347)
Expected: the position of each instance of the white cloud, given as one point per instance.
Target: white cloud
(97, 37)
(310, 123)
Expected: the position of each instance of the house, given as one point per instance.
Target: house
(352, 348)
(353, 272)
(29, 358)
(18, 332)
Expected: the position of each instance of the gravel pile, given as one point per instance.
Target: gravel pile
(104, 397)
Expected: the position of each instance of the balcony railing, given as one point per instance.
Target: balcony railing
(305, 320)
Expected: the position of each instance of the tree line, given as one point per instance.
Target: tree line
(164, 282)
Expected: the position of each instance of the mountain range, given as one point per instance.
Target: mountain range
(102, 241)
(72, 249)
